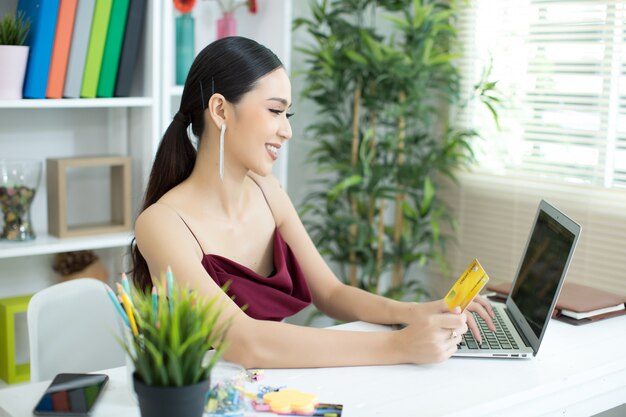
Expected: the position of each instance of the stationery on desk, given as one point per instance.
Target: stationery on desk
(577, 304)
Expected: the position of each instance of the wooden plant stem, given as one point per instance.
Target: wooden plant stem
(380, 238)
(356, 106)
(372, 202)
(355, 155)
(396, 279)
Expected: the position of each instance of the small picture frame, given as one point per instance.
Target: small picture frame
(57, 180)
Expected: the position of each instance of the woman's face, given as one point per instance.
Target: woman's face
(260, 125)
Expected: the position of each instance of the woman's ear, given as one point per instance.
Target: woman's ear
(217, 108)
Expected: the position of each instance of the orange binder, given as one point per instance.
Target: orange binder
(61, 48)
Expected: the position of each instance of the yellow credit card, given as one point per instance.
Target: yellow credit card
(467, 286)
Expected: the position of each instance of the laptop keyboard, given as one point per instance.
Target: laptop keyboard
(500, 339)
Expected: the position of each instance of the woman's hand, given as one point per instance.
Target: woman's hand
(482, 307)
(434, 334)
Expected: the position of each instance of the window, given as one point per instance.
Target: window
(561, 70)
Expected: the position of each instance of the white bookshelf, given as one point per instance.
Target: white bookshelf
(46, 244)
(133, 126)
(78, 103)
(41, 129)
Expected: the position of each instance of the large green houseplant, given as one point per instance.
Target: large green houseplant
(383, 74)
(174, 329)
(14, 31)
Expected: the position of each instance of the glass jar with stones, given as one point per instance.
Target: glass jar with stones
(19, 180)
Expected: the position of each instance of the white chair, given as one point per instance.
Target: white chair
(72, 327)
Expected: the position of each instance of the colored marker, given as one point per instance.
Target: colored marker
(117, 305)
(170, 284)
(155, 302)
(129, 312)
(125, 284)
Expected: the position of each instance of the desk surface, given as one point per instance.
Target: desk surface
(579, 371)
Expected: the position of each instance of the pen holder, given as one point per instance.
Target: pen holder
(226, 395)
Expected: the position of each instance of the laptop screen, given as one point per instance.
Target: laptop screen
(541, 270)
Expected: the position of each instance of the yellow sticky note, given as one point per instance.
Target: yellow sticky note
(289, 400)
(467, 286)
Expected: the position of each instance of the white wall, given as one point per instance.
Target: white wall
(299, 172)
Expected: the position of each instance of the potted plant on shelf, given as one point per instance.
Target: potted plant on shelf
(13, 33)
(172, 330)
(384, 76)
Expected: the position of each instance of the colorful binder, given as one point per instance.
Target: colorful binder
(130, 47)
(113, 48)
(61, 48)
(95, 51)
(78, 48)
(43, 18)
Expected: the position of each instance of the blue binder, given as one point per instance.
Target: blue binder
(43, 20)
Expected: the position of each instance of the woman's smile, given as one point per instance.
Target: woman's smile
(272, 150)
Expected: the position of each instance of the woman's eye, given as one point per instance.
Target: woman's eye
(277, 111)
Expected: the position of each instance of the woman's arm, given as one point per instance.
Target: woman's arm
(164, 241)
(345, 302)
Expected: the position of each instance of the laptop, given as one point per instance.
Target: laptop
(521, 322)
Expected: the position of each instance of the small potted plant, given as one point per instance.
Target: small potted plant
(13, 32)
(172, 330)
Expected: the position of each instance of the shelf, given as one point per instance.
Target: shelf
(46, 244)
(76, 103)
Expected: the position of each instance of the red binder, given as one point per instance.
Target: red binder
(575, 297)
(61, 48)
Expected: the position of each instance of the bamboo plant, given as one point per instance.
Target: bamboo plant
(383, 74)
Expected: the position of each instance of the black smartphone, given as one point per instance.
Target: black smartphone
(71, 395)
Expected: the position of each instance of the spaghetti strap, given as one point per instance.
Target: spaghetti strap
(262, 192)
(190, 231)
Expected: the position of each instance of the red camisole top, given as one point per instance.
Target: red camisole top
(280, 295)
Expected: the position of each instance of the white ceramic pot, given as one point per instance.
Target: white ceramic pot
(13, 60)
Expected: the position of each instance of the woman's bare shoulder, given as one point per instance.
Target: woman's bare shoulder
(157, 220)
(155, 213)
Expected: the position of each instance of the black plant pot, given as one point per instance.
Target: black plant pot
(187, 401)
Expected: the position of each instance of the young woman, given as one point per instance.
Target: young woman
(218, 215)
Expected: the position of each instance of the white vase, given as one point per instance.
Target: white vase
(13, 60)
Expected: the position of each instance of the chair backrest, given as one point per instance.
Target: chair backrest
(72, 327)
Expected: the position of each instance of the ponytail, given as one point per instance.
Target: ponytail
(173, 163)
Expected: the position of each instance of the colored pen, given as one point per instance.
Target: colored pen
(155, 302)
(170, 284)
(125, 284)
(121, 290)
(117, 305)
(129, 312)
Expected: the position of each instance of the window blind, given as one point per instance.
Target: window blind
(561, 72)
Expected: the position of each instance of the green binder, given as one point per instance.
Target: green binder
(95, 51)
(113, 48)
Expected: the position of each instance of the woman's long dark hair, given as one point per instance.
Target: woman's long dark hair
(229, 66)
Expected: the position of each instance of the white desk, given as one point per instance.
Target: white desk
(579, 371)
